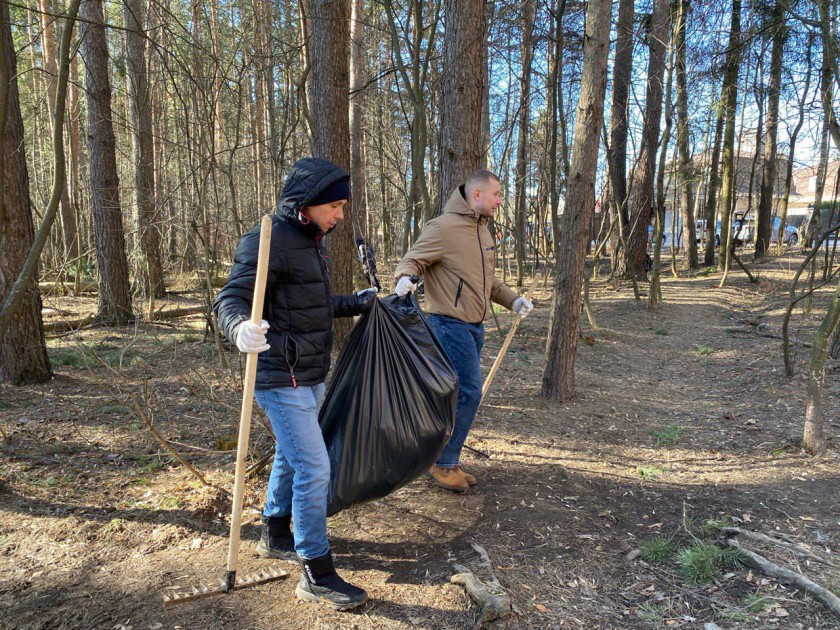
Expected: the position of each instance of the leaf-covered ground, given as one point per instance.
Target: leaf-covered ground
(601, 513)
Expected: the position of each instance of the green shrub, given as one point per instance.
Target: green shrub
(657, 550)
(649, 472)
(665, 435)
(702, 562)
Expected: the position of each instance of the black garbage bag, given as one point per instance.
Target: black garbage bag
(390, 407)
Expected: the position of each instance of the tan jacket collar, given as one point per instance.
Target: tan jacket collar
(456, 204)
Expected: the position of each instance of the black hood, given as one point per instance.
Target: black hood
(307, 179)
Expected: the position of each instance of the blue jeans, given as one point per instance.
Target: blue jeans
(300, 477)
(462, 343)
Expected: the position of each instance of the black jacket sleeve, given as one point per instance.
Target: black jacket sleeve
(233, 303)
(347, 305)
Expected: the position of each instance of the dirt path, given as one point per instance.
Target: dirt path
(684, 417)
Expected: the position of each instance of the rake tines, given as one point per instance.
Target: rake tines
(202, 591)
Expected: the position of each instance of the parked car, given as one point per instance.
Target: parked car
(829, 219)
(791, 236)
(743, 229)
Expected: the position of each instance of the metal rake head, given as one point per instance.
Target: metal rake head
(202, 591)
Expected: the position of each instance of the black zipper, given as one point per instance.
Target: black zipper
(483, 272)
(325, 268)
(458, 292)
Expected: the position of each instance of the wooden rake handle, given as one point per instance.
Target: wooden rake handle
(247, 407)
(508, 339)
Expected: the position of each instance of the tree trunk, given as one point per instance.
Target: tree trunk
(358, 78)
(23, 351)
(74, 114)
(114, 288)
(768, 181)
(622, 72)
(813, 438)
(151, 267)
(710, 209)
(685, 175)
(555, 101)
(642, 201)
(330, 21)
(655, 292)
(729, 103)
(414, 91)
(521, 211)
(558, 381)
(783, 204)
(464, 84)
(68, 216)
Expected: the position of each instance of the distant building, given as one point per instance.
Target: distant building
(806, 184)
(749, 166)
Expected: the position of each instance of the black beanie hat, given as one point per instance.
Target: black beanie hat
(339, 189)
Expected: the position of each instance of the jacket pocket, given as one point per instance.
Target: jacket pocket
(458, 292)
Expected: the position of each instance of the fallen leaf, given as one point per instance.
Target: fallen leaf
(541, 608)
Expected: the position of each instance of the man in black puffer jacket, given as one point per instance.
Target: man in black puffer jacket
(294, 342)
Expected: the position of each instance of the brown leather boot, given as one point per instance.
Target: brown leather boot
(465, 475)
(448, 478)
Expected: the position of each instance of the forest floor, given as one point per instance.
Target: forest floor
(684, 422)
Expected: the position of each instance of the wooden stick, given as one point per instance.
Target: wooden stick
(771, 569)
(794, 548)
(247, 406)
(508, 339)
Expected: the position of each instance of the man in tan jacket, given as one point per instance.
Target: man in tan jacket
(457, 256)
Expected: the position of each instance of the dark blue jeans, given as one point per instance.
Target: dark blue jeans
(462, 343)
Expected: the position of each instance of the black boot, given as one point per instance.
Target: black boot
(276, 540)
(320, 583)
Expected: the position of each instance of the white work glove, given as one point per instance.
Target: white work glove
(522, 307)
(405, 286)
(250, 338)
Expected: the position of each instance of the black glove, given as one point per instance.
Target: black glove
(365, 299)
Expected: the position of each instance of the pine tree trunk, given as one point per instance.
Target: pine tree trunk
(330, 21)
(68, 216)
(622, 72)
(768, 182)
(655, 292)
(23, 350)
(553, 101)
(464, 85)
(685, 175)
(521, 211)
(151, 266)
(358, 79)
(642, 200)
(729, 103)
(74, 113)
(114, 288)
(710, 209)
(558, 381)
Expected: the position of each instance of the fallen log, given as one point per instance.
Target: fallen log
(67, 325)
(53, 287)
